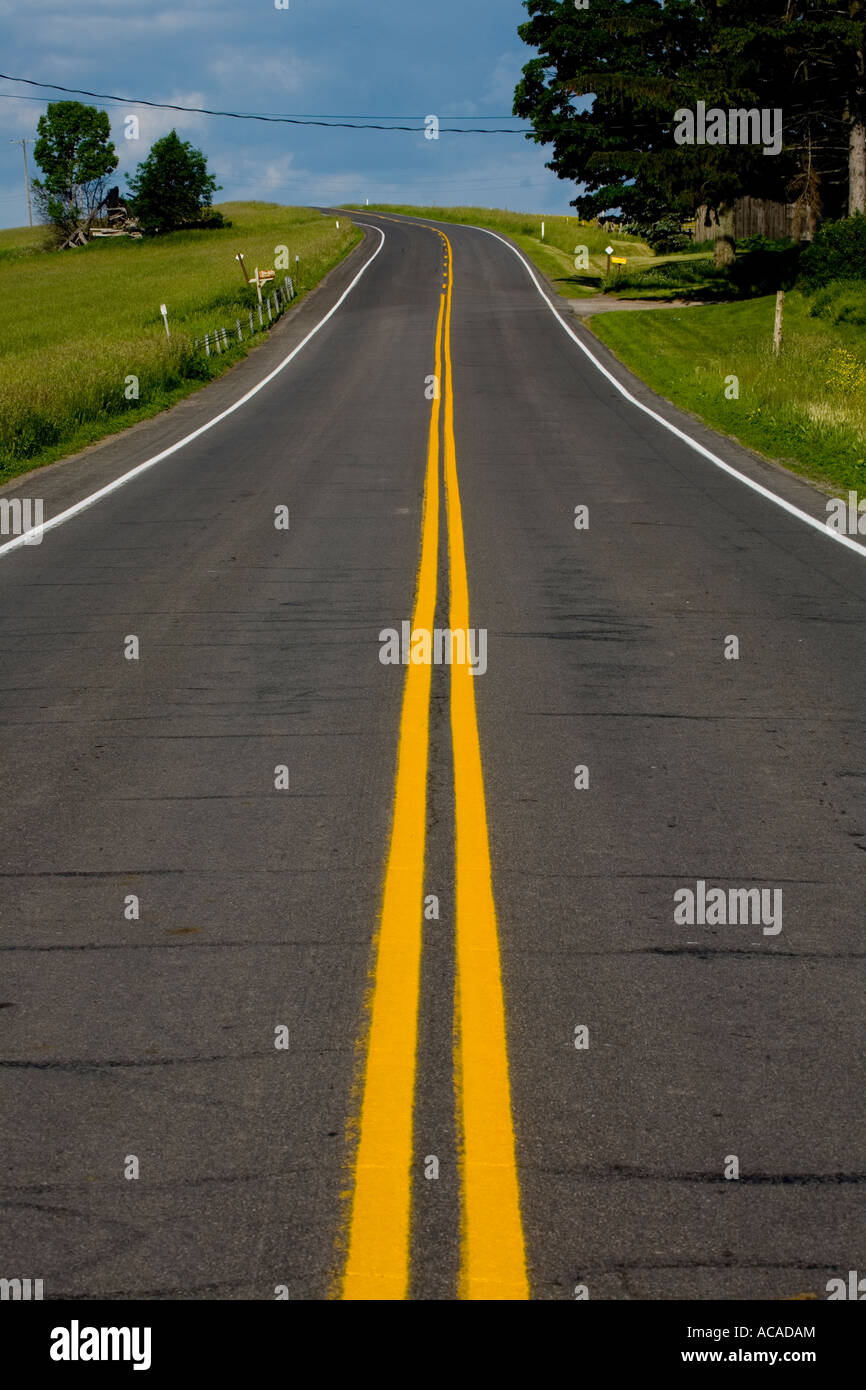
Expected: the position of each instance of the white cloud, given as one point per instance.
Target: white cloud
(153, 124)
(262, 72)
(499, 92)
(20, 116)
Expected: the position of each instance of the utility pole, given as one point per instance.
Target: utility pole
(23, 144)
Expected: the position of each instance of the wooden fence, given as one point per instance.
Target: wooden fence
(752, 217)
(221, 338)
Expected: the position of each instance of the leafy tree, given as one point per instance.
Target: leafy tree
(639, 61)
(838, 252)
(172, 187)
(75, 153)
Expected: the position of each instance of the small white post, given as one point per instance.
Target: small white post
(777, 326)
(338, 224)
(207, 344)
(164, 312)
(542, 231)
(238, 327)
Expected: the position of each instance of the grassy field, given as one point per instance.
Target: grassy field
(686, 275)
(555, 253)
(805, 408)
(74, 325)
(21, 241)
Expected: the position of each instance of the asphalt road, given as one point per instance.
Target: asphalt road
(711, 1049)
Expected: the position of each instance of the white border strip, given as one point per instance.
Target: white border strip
(202, 429)
(789, 507)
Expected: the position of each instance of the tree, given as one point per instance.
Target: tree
(75, 153)
(832, 44)
(640, 61)
(172, 187)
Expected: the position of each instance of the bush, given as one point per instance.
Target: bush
(672, 275)
(763, 266)
(838, 252)
(842, 301)
(667, 237)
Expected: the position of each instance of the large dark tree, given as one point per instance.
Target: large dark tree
(75, 153)
(636, 62)
(824, 43)
(171, 187)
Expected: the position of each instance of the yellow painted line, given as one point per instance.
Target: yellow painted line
(377, 1264)
(493, 1256)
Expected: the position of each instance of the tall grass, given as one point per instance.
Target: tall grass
(842, 301)
(75, 325)
(805, 407)
(694, 276)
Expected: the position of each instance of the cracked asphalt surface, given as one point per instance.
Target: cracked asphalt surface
(259, 648)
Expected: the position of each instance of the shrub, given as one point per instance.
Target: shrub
(842, 301)
(838, 252)
(688, 277)
(667, 237)
(763, 265)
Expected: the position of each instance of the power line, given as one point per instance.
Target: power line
(329, 122)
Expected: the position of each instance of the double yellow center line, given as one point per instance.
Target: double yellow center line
(492, 1259)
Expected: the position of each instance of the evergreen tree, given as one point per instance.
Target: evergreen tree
(640, 61)
(172, 186)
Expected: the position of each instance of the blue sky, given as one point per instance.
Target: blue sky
(329, 57)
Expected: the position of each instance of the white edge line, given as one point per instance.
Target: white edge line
(812, 521)
(202, 429)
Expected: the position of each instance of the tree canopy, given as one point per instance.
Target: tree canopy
(609, 78)
(76, 155)
(172, 187)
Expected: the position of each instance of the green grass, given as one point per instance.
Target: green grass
(842, 301)
(75, 324)
(554, 255)
(22, 241)
(684, 275)
(805, 408)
